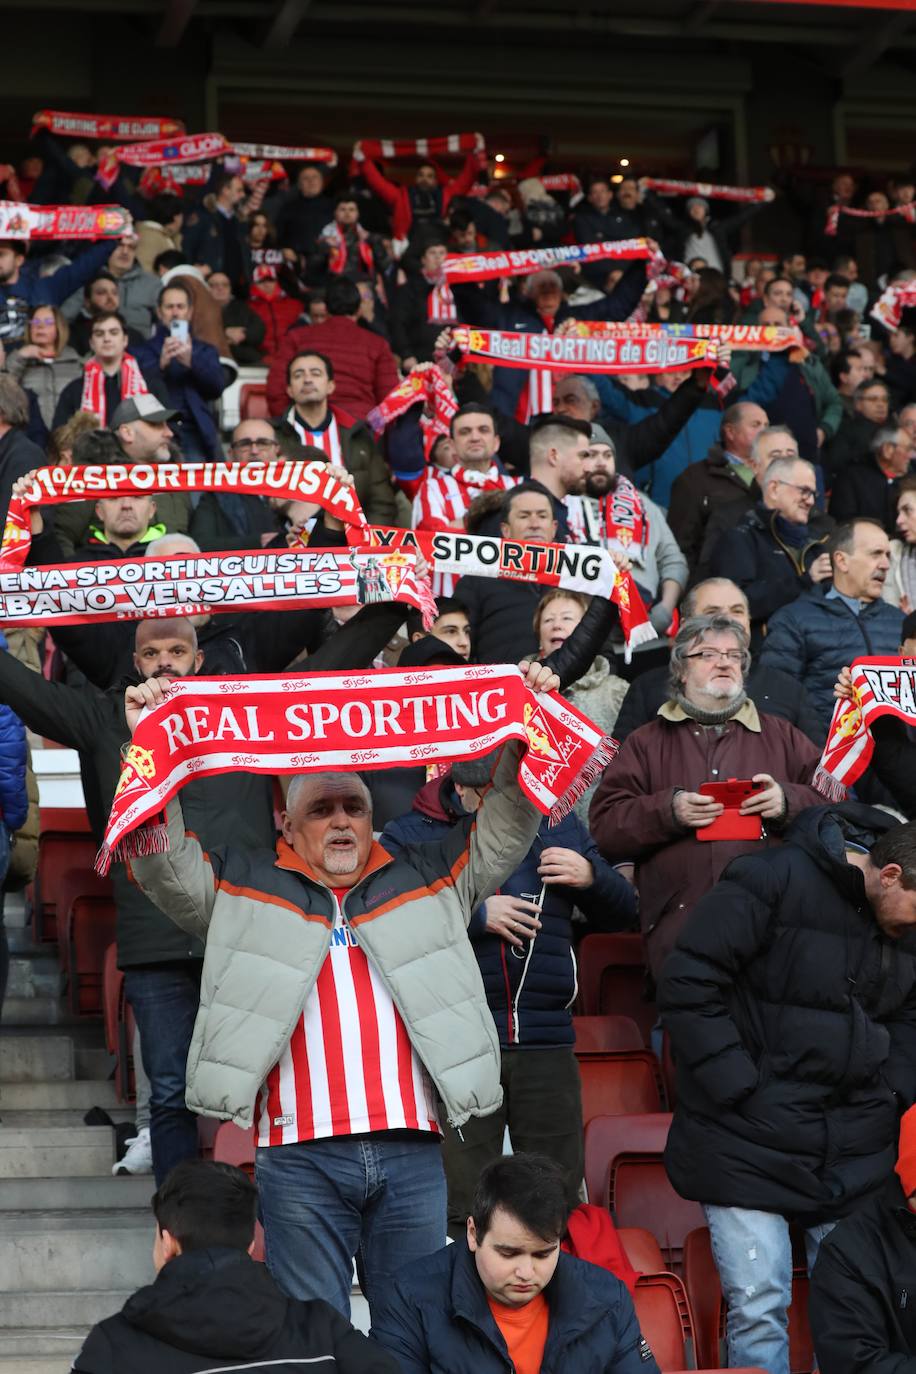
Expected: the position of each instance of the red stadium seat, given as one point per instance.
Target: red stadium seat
(612, 977)
(624, 1171)
(600, 1034)
(622, 1084)
(701, 1279)
(642, 1249)
(253, 403)
(665, 1320)
(112, 983)
(58, 851)
(87, 904)
(232, 1145)
(125, 1079)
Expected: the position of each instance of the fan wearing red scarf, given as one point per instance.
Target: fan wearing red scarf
(345, 248)
(110, 375)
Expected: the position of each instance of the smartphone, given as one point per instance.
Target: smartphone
(180, 330)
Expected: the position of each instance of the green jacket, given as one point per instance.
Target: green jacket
(268, 924)
(828, 404)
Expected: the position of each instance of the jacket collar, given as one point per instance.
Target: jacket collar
(746, 715)
(288, 859)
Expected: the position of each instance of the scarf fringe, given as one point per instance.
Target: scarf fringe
(829, 786)
(141, 843)
(643, 633)
(604, 752)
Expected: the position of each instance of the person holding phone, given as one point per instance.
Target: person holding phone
(664, 789)
(190, 369)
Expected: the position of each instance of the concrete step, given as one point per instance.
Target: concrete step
(31, 1058)
(46, 1252)
(92, 1061)
(43, 1364)
(34, 975)
(69, 1309)
(55, 1152)
(64, 1095)
(100, 1193)
(39, 1118)
(32, 1342)
(38, 1009)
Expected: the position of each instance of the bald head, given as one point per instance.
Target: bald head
(166, 648)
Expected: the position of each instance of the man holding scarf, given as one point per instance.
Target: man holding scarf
(345, 248)
(327, 963)
(110, 376)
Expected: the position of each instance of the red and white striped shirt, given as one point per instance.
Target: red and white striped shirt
(349, 1066)
(327, 438)
(442, 502)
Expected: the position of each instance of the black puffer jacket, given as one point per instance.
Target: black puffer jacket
(217, 1309)
(769, 571)
(793, 1023)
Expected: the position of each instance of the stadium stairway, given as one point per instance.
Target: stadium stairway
(74, 1241)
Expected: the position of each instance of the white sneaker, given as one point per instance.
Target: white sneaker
(138, 1157)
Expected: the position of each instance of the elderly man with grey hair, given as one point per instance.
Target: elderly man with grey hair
(651, 809)
(776, 552)
(870, 487)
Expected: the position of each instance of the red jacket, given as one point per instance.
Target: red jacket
(279, 313)
(364, 366)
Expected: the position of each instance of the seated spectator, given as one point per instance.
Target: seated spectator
(423, 306)
(347, 443)
(871, 486)
(276, 310)
(45, 363)
(815, 635)
(648, 810)
(213, 236)
(138, 290)
(244, 328)
(315, 1206)
(190, 371)
(211, 1302)
(305, 212)
(773, 692)
(161, 231)
(529, 995)
(777, 551)
(852, 442)
(345, 249)
(451, 626)
(18, 454)
(364, 367)
(780, 1049)
(900, 584)
(855, 1306)
(508, 1293)
(109, 375)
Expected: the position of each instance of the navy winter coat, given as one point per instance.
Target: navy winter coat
(14, 802)
(190, 389)
(529, 993)
(435, 1319)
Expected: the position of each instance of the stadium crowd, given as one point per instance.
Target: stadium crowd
(375, 972)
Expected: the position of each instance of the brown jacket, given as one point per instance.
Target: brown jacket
(632, 818)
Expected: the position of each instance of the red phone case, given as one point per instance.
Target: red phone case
(731, 825)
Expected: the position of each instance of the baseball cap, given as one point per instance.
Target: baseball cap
(146, 406)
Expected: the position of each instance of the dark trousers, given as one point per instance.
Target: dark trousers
(542, 1106)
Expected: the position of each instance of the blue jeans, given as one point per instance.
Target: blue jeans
(165, 998)
(753, 1254)
(324, 1202)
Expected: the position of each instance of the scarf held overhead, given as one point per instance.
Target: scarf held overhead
(295, 480)
(162, 152)
(582, 350)
(575, 567)
(68, 124)
(881, 687)
(183, 584)
(706, 189)
(773, 338)
(906, 212)
(521, 262)
(381, 719)
(439, 146)
(62, 221)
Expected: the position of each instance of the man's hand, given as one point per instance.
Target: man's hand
(20, 487)
(770, 803)
(724, 355)
(821, 436)
(512, 917)
(408, 365)
(235, 333)
(421, 570)
(146, 695)
(820, 570)
(565, 867)
(695, 809)
(843, 686)
(538, 678)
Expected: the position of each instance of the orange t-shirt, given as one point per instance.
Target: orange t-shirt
(524, 1330)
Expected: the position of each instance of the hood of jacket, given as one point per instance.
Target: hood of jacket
(826, 832)
(216, 1303)
(438, 800)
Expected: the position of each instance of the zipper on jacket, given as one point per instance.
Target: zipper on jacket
(521, 982)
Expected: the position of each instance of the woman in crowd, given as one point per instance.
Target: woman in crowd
(900, 585)
(46, 362)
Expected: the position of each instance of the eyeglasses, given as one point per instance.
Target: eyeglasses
(806, 493)
(43, 319)
(258, 445)
(713, 655)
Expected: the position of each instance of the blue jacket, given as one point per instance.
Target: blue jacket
(692, 442)
(14, 802)
(435, 1319)
(190, 389)
(814, 637)
(529, 993)
(17, 298)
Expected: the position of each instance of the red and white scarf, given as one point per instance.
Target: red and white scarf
(162, 153)
(327, 438)
(273, 151)
(621, 524)
(888, 309)
(440, 304)
(906, 212)
(881, 687)
(585, 348)
(210, 583)
(706, 189)
(773, 338)
(69, 124)
(93, 397)
(439, 146)
(379, 719)
(427, 383)
(19, 221)
(294, 480)
(337, 262)
(522, 262)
